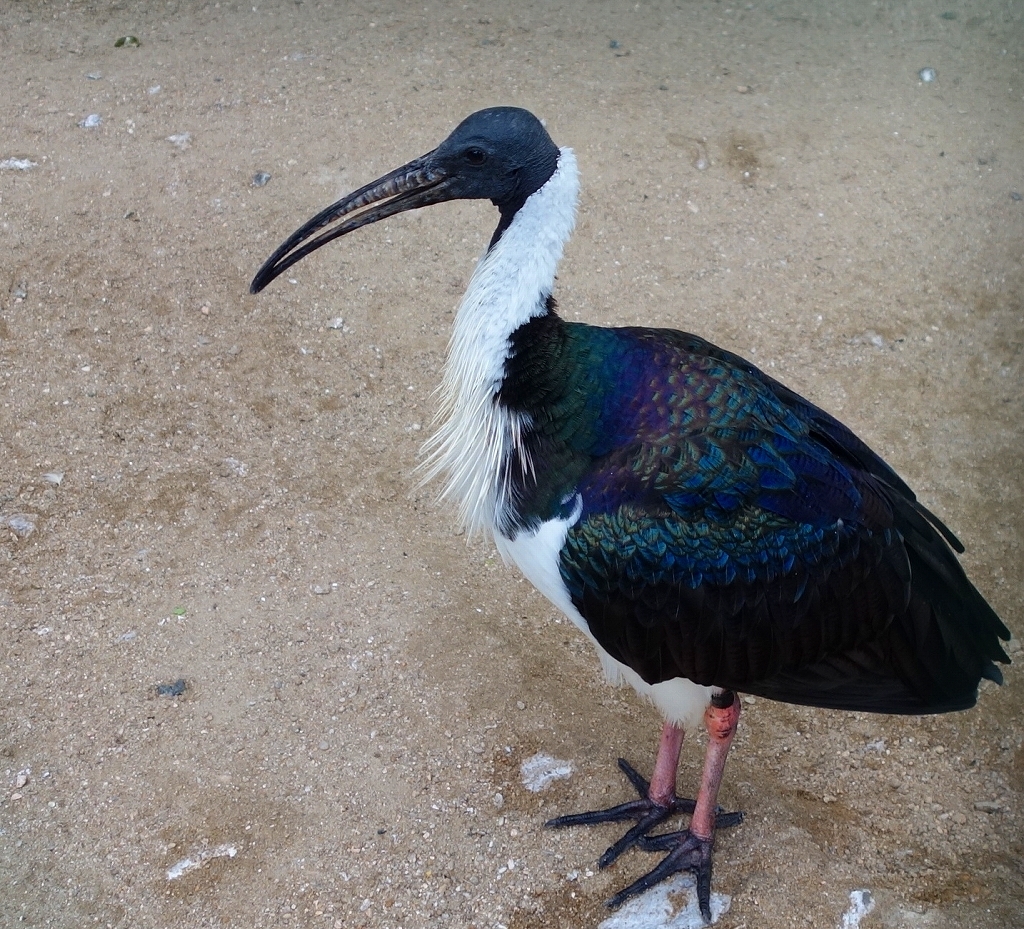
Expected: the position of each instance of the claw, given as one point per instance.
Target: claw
(688, 853)
(648, 815)
(645, 811)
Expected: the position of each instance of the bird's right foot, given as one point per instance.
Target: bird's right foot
(648, 814)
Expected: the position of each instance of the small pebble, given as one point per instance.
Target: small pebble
(260, 179)
(21, 780)
(127, 41)
(54, 477)
(540, 770)
(927, 75)
(1015, 195)
(95, 76)
(699, 158)
(91, 121)
(181, 140)
(988, 806)
(20, 524)
(175, 689)
(199, 858)
(17, 164)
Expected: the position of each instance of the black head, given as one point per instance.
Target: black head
(502, 154)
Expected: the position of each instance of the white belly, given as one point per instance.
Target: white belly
(536, 554)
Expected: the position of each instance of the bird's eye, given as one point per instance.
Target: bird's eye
(476, 156)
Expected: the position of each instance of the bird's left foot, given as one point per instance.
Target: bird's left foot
(686, 852)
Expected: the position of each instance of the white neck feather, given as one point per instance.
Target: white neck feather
(511, 285)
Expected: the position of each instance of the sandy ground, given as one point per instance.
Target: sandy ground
(201, 485)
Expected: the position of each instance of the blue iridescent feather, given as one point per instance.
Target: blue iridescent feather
(733, 533)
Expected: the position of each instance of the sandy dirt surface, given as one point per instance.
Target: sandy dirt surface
(203, 486)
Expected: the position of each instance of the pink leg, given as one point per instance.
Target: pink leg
(721, 723)
(691, 849)
(663, 781)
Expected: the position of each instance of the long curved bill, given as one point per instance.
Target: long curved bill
(418, 183)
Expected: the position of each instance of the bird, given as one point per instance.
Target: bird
(712, 532)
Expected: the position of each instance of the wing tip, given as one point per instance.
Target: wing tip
(991, 673)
